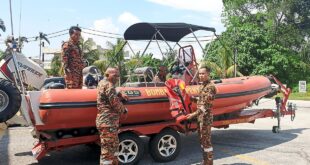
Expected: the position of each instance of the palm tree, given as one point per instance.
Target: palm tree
(223, 67)
(101, 65)
(56, 67)
(115, 53)
(90, 51)
(169, 58)
(2, 26)
(132, 63)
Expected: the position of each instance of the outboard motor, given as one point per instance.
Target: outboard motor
(54, 83)
(91, 76)
(145, 74)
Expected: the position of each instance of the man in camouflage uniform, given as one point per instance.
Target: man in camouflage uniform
(109, 110)
(204, 115)
(72, 59)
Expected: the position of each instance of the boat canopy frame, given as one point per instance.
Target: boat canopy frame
(162, 31)
(167, 32)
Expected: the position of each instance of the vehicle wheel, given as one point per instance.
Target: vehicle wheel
(131, 149)
(165, 146)
(10, 100)
(275, 129)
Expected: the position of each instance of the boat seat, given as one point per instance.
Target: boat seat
(217, 81)
(54, 85)
(145, 84)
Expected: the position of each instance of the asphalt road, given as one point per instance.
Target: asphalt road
(241, 144)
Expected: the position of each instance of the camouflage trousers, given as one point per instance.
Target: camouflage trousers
(74, 80)
(204, 133)
(109, 145)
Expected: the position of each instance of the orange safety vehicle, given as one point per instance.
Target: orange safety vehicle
(66, 117)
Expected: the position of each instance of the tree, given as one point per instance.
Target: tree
(271, 37)
(169, 58)
(1, 54)
(115, 55)
(56, 66)
(286, 23)
(90, 53)
(222, 65)
(90, 50)
(101, 65)
(142, 61)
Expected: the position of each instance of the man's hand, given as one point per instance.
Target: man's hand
(68, 70)
(181, 118)
(125, 111)
(190, 116)
(193, 99)
(125, 97)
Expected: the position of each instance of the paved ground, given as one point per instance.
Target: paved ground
(241, 144)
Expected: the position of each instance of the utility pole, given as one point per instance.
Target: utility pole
(11, 18)
(40, 44)
(42, 36)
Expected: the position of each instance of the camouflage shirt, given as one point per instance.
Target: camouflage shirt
(109, 105)
(72, 57)
(207, 93)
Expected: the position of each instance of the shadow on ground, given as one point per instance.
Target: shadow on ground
(226, 143)
(229, 143)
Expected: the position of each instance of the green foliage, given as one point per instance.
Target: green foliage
(56, 69)
(1, 54)
(300, 96)
(141, 61)
(90, 50)
(271, 37)
(115, 54)
(101, 65)
(169, 58)
(295, 89)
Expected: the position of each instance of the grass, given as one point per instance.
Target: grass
(300, 96)
(297, 96)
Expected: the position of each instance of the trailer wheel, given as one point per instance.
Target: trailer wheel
(10, 100)
(165, 146)
(275, 129)
(131, 149)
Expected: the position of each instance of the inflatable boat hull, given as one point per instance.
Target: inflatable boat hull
(76, 108)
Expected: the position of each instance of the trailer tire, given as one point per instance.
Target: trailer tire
(131, 148)
(165, 146)
(275, 129)
(10, 100)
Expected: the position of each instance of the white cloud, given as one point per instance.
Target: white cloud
(128, 18)
(102, 25)
(216, 22)
(212, 6)
(106, 25)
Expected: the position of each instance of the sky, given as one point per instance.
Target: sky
(33, 16)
